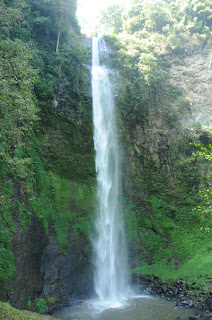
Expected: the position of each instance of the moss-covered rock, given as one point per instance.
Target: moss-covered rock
(9, 313)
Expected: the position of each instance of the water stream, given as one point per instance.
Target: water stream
(109, 245)
(143, 308)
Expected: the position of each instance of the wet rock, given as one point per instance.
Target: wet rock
(191, 304)
(183, 303)
(201, 316)
(58, 305)
(66, 277)
(164, 289)
(182, 293)
(208, 302)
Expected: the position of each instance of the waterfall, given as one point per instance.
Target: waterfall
(109, 245)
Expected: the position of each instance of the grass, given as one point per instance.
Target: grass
(197, 268)
(74, 204)
(192, 248)
(9, 313)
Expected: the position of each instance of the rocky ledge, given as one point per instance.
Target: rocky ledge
(186, 296)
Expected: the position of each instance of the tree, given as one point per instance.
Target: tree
(111, 18)
(203, 10)
(8, 17)
(157, 15)
(64, 12)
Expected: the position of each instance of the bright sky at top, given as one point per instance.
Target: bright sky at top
(88, 11)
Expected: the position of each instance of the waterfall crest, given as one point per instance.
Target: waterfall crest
(109, 246)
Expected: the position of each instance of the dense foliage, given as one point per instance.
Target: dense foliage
(46, 156)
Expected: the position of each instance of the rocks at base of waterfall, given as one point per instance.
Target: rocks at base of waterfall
(67, 277)
(184, 302)
(57, 305)
(179, 291)
(208, 302)
(201, 316)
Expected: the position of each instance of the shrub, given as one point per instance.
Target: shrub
(40, 306)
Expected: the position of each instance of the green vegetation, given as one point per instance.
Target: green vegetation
(51, 300)
(173, 232)
(111, 18)
(149, 34)
(8, 312)
(46, 150)
(40, 306)
(77, 198)
(162, 25)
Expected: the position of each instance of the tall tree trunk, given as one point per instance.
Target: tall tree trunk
(59, 33)
(58, 41)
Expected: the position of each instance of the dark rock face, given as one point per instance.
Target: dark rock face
(27, 246)
(208, 302)
(181, 292)
(66, 277)
(42, 270)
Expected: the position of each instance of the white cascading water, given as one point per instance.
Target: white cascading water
(109, 246)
